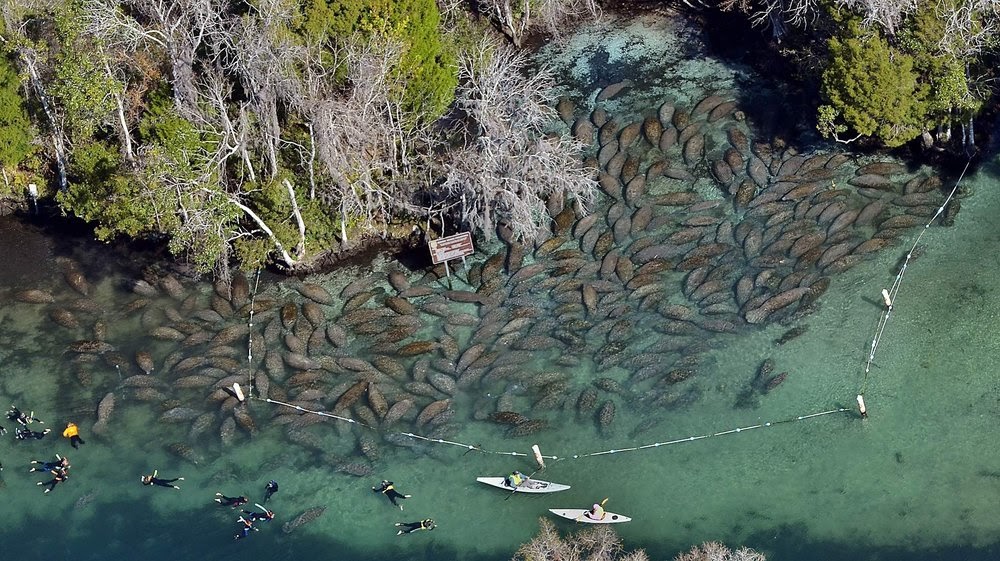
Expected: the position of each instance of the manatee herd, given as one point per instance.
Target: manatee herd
(701, 231)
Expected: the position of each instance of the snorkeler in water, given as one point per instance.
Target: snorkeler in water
(153, 480)
(230, 501)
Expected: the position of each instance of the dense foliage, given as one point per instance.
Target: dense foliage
(273, 130)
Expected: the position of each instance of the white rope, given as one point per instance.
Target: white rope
(253, 298)
(471, 447)
(883, 319)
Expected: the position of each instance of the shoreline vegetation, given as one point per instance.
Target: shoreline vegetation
(601, 543)
(296, 134)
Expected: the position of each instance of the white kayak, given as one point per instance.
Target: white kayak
(527, 486)
(580, 515)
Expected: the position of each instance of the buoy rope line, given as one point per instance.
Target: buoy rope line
(889, 295)
(253, 298)
(479, 448)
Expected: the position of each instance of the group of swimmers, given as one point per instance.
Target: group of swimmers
(388, 488)
(59, 468)
(249, 518)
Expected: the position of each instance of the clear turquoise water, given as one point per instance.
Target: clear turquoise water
(919, 479)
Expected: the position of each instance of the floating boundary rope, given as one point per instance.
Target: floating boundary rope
(472, 447)
(897, 282)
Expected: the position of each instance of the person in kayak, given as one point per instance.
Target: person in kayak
(515, 479)
(410, 527)
(272, 488)
(230, 501)
(153, 480)
(73, 434)
(597, 511)
(387, 488)
(61, 463)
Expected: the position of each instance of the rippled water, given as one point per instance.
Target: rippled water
(918, 479)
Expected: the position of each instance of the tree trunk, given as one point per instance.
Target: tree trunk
(301, 247)
(58, 142)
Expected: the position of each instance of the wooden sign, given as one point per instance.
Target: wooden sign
(452, 247)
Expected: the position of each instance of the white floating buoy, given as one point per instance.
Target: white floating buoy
(861, 407)
(239, 391)
(538, 456)
(886, 299)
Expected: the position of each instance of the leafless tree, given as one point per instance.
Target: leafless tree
(360, 132)
(715, 551)
(179, 27)
(509, 166)
(517, 18)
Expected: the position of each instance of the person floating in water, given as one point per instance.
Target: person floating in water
(244, 530)
(387, 488)
(230, 501)
(153, 480)
(265, 516)
(16, 414)
(24, 433)
(409, 527)
(272, 488)
(58, 476)
(514, 480)
(73, 434)
(61, 463)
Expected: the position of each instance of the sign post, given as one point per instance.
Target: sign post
(451, 247)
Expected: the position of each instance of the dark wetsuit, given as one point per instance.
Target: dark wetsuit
(162, 482)
(25, 434)
(408, 527)
(48, 466)
(57, 478)
(244, 531)
(387, 489)
(259, 516)
(230, 501)
(272, 488)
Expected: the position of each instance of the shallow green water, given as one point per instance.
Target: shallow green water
(919, 479)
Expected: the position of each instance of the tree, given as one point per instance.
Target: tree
(871, 90)
(518, 18)
(15, 126)
(425, 69)
(509, 167)
(715, 551)
(594, 544)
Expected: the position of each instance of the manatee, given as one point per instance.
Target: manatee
(302, 519)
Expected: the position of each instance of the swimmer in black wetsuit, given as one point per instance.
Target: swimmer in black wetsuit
(24, 433)
(230, 501)
(410, 527)
(265, 516)
(153, 480)
(387, 488)
(60, 463)
(272, 488)
(58, 476)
